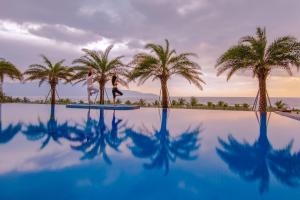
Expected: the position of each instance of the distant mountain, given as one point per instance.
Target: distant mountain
(32, 90)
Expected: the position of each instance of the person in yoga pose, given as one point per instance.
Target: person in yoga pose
(115, 91)
(91, 89)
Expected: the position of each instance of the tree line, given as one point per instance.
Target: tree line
(161, 63)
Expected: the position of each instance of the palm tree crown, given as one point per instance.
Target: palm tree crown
(161, 64)
(253, 53)
(51, 72)
(10, 70)
(103, 66)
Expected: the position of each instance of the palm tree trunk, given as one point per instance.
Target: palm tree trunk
(101, 91)
(262, 93)
(0, 117)
(164, 93)
(1, 86)
(53, 94)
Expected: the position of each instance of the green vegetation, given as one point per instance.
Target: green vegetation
(128, 102)
(118, 101)
(103, 67)
(10, 70)
(52, 73)
(194, 101)
(163, 63)
(221, 105)
(280, 105)
(252, 53)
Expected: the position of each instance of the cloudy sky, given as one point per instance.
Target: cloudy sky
(61, 28)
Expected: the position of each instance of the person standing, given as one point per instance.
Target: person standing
(91, 89)
(115, 91)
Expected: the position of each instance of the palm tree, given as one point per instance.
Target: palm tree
(10, 70)
(161, 64)
(10, 131)
(253, 53)
(255, 161)
(104, 68)
(52, 130)
(280, 105)
(161, 148)
(98, 137)
(51, 72)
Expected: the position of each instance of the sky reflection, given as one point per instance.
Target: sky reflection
(177, 153)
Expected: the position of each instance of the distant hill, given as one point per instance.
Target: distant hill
(32, 90)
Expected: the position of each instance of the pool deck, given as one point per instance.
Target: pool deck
(104, 106)
(289, 115)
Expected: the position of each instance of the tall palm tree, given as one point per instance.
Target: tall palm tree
(254, 162)
(50, 72)
(10, 70)
(103, 66)
(161, 64)
(161, 148)
(253, 53)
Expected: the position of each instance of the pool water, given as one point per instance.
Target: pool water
(61, 153)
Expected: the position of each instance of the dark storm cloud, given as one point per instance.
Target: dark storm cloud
(66, 34)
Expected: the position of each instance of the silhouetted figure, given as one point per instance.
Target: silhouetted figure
(115, 91)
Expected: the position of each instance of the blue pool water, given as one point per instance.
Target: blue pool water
(149, 153)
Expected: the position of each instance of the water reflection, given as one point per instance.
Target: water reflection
(52, 130)
(161, 148)
(10, 131)
(98, 137)
(254, 162)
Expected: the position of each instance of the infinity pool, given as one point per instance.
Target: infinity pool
(62, 153)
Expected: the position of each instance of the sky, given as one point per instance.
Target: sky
(59, 29)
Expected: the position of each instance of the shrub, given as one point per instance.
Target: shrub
(118, 101)
(280, 105)
(156, 103)
(174, 102)
(128, 102)
(245, 105)
(181, 101)
(221, 104)
(142, 102)
(194, 101)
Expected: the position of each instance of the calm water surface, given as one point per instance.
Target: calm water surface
(62, 153)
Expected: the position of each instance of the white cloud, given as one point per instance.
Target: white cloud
(189, 6)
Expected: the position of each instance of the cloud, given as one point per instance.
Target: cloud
(61, 28)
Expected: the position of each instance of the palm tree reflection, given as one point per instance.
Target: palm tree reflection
(254, 162)
(161, 148)
(10, 131)
(51, 130)
(98, 137)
